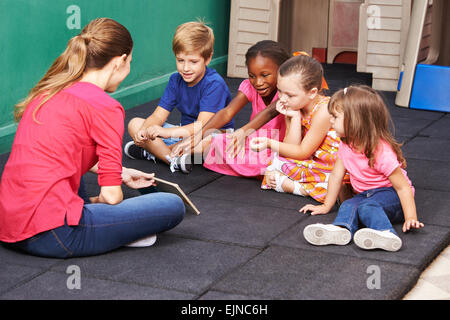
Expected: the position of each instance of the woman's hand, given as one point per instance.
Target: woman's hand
(259, 144)
(136, 179)
(108, 195)
(94, 199)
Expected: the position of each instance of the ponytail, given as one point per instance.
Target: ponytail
(309, 69)
(65, 70)
(99, 41)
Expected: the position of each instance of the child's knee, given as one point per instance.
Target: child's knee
(134, 125)
(368, 207)
(349, 204)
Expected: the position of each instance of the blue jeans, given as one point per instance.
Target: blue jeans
(376, 209)
(104, 227)
(170, 141)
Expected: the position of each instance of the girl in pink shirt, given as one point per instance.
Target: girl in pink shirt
(374, 161)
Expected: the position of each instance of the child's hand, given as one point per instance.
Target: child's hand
(140, 137)
(183, 147)
(237, 143)
(281, 108)
(412, 223)
(259, 144)
(155, 131)
(315, 210)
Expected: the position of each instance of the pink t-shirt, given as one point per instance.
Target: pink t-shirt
(363, 177)
(277, 123)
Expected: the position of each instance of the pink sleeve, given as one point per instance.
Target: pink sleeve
(107, 130)
(246, 88)
(386, 161)
(341, 150)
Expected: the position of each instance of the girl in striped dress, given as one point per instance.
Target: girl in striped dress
(304, 160)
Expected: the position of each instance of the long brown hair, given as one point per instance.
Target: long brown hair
(99, 41)
(366, 121)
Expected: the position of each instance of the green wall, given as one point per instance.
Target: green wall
(34, 32)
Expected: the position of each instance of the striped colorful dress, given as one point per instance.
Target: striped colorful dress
(312, 173)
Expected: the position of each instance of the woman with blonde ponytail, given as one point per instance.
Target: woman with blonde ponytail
(69, 125)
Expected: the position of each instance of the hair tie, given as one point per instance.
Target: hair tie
(303, 53)
(87, 37)
(300, 53)
(345, 91)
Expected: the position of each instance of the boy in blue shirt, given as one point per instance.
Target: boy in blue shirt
(195, 90)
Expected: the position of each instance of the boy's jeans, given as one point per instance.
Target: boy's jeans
(105, 227)
(170, 141)
(375, 209)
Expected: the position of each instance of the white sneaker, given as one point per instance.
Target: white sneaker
(181, 163)
(367, 238)
(142, 243)
(323, 234)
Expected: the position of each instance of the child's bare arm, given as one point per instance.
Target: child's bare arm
(225, 115)
(334, 186)
(183, 131)
(140, 133)
(158, 117)
(310, 143)
(293, 120)
(238, 137)
(220, 118)
(264, 116)
(406, 197)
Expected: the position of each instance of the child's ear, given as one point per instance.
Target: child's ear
(207, 61)
(313, 93)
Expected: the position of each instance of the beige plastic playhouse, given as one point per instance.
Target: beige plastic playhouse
(386, 36)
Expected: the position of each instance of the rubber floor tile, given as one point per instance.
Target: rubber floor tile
(235, 223)
(287, 273)
(172, 263)
(63, 286)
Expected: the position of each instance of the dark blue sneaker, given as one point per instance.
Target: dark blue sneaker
(134, 152)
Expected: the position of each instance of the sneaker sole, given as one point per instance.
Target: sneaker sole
(142, 243)
(125, 149)
(320, 235)
(185, 167)
(369, 239)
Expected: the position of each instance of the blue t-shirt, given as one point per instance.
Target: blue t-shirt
(210, 94)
